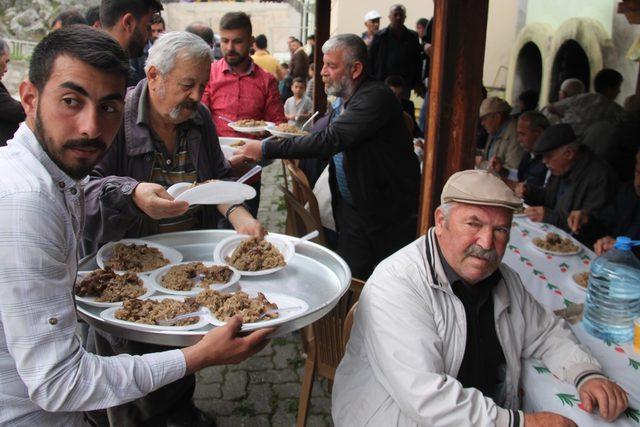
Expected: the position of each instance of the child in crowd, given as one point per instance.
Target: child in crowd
(284, 85)
(298, 108)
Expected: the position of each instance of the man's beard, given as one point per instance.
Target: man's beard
(237, 60)
(188, 104)
(340, 89)
(136, 44)
(174, 114)
(84, 166)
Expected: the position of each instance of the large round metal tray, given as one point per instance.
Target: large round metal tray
(315, 274)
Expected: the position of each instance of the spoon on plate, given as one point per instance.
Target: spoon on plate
(306, 237)
(177, 189)
(278, 310)
(173, 320)
(310, 120)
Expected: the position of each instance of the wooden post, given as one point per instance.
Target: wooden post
(323, 21)
(455, 81)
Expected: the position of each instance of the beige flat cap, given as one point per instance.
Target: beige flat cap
(494, 104)
(478, 187)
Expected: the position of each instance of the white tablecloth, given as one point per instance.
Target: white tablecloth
(549, 279)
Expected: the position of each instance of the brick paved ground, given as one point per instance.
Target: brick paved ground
(264, 390)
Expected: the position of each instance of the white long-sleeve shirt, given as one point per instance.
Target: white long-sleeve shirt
(46, 377)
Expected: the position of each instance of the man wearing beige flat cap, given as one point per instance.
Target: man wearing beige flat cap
(502, 152)
(442, 325)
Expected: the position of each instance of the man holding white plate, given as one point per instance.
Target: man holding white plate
(167, 137)
(73, 99)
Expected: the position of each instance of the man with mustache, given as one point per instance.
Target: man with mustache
(166, 137)
(239, 89)
(74, 100)
(441, 328)
(374, 173)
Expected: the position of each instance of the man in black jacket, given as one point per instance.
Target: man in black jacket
(374, 173)
(11, 111)
(395, 50)
(579, 181)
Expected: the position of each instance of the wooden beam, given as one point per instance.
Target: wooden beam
(323, 22)
(455, 81)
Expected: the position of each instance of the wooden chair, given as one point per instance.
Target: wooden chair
(302, 190)
(325, 347)
(348, 324)
(300, 219)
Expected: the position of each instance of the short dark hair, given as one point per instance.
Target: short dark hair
(261, 41)
(423, 22)
(530, 99)
(285, 65)
(112, 10)
(201, 30)
(311, 37)
(87, 44)
(394, 81)
(236, 21)
(607, 79)
(92, 15)
(295, 40)
(157, 19)
(299, 80)
(69, 17)
(535, 119)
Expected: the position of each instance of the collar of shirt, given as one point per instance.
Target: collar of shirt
(25, 136)
(226, 68)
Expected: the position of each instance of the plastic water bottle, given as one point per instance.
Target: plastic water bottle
(613, 294)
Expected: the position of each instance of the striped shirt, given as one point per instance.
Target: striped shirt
(171, 168)
(46, 377)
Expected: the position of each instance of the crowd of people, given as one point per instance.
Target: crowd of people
(111, 116)
(573, 160)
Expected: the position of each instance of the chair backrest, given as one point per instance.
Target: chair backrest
(302, 190)
(328, 332)
(301, 221)
(348, 324)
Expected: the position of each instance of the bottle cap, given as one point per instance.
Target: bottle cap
(624, 243)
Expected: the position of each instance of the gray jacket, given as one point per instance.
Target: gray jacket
(110, 211)
(408, 341)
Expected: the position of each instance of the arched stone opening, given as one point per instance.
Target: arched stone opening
(571, 61)
(528, 73)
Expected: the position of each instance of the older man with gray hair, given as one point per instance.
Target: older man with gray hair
(442, 326)
(166, 137)
(374, 173)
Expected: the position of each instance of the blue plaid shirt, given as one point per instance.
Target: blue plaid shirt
(338, 159)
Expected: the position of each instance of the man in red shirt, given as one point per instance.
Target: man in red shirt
(238, 88)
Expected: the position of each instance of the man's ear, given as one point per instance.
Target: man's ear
(356, 70)
(29, 98)
(128, 22)
(439, 221)
(153, 77)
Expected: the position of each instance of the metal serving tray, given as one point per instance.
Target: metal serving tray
(315, 274)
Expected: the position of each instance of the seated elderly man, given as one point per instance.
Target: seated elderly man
(502, 147)
(582, 110)
(579, 181)
(167, 137)
(568, 88)
(441, 328)
(531, 170)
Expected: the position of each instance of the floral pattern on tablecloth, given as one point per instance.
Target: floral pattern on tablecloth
(549, 278)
